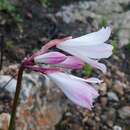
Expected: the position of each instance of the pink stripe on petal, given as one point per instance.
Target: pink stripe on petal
(48, 45)
(72, 62)
(43, 70)
(50, 58)
(77, 91)
(54, 43)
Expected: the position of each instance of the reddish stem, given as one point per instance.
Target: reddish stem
(15, 103)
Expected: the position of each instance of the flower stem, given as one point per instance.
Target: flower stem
(15, 103)
(2, 50)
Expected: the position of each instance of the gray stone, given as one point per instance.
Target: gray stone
(10, 86)
(108, 7)
(124, 37)
(44, 99)
(109, 116)
(116, 127)
(112, 96)
(118, 87)
(29, 82)
(124, 112)
(76, 12)
(112, 10)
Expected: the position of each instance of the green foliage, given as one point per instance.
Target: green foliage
(103, 22)
(114, 44)
(6, 5)
(10, 8)
(88, 70)
(18, 18)
(9, 44)
(35, 50)
(45, 2)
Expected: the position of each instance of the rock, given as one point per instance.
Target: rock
(126, 20)
(28, 82)
(125, 31)
(112, 96)
(40, 97)
(124, 37)
(114, 12)
(108, 7)
(97, 119)
(104, 101)
(103, 88)
(109, 116)
(76, 12)
(120, 74)
(116, 127)
(46, 106)
(68, 114)
(108, 82)
(118, 87)
(124, 112)
(4, 121)
(8, 83)
(11, 70)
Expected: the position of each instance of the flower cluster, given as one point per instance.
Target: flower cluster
(88, 49)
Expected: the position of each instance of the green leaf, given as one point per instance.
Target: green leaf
(103, 22)
(114, 44)
(88, 70)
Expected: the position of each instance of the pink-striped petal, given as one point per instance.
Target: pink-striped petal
(53, 43)
(48, 45)
(72, 62)
(43, 70)
(77, 91)
(90, 47)
(50, 58)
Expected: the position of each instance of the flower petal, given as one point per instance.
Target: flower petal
(95, 51)
(48, 45)
(50, 58)
(90, 47)
(77, 91)
(92, 80)
(53, 43)
(72, 62)
(83, 56)
(94, 38)
(43, 70)
(96, 64)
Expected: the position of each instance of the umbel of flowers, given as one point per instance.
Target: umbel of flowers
(87, 49)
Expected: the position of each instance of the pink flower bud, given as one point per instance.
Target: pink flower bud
(50, 58)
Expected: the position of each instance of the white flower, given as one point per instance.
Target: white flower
(76, 89)
(90, 48)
